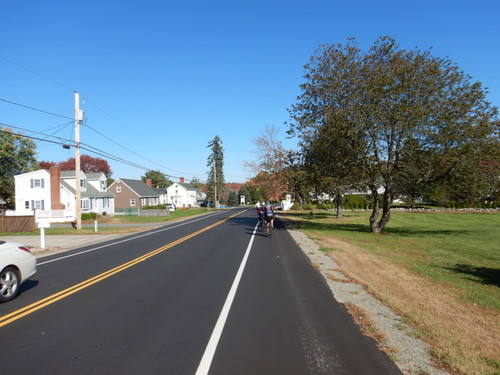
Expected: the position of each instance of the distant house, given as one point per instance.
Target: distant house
(182, 194)
(133, 194)
(48, 191)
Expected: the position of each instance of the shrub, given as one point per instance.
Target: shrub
(157, 207)
(309, 206)
(354, 201)
(89, 216)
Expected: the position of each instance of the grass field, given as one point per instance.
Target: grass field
(441, 271)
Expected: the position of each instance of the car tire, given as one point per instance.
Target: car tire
(9, 284)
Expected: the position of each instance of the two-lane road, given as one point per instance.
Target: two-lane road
(208, 295)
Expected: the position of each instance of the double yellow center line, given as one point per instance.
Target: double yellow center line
(9, 318)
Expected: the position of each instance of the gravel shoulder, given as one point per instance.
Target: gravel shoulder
(410, 354)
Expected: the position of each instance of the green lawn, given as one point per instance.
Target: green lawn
(458, 249)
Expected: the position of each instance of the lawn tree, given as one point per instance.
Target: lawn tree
(158, 179)
(215, 161)
(417, 118)
(17, 155)
(331, 158)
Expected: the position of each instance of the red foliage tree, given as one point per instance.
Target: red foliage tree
(88, 164)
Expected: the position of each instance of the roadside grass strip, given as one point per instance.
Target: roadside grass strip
(15, 315)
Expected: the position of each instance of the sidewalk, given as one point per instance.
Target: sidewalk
(60, 243)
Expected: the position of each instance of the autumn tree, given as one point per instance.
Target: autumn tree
(88, 164)
(272, 159)
(17, 155)
(416, 118)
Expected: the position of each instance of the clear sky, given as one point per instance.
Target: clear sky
(159, 79)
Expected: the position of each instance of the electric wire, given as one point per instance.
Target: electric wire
(35, 73)
(35, 109)
(131, 151)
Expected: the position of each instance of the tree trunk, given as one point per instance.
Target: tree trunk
(375, 210)
(340, 208)
(386, 211)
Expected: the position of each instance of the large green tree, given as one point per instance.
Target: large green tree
(216, 185)
(415, 118)
(158, 179)
(17, 155)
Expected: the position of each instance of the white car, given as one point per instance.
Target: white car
(17, 264)
(170, 206)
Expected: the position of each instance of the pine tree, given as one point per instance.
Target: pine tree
(215, 161)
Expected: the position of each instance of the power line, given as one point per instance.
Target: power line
(30, 137)
(35, 109)
(36, 73)
(70, 143)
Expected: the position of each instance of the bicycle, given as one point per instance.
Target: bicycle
(269, 227)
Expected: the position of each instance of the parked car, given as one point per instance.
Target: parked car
(170, 206)
(17, 264)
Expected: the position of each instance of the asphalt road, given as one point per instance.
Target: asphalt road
(208, 295)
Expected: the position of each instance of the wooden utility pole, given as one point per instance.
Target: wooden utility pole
(78, 202)
(215, 186)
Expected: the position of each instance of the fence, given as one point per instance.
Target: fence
(138, 212)
(17, 223)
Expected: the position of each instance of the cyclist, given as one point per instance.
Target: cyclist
(260, 212)
(269, 214)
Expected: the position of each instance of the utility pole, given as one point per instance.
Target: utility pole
(78, 203)
(215, 186)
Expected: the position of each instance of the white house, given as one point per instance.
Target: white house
(182, 194)
(53, 194)
(32, 192)
(95, 196)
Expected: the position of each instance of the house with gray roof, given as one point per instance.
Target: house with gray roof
(131, 193)
(94, 193)
(182, 194)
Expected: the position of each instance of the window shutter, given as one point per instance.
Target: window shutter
(32, 183)
(43, 202)
(32, 204)
(43, 183)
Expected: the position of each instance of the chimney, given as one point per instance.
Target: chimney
(55, 188)
(182, 180)
(148, 182)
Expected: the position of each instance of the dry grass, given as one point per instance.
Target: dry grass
(364, 320)
(464, 337)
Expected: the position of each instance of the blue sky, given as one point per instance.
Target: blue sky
(159, 79)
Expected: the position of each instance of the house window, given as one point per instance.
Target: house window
(27, 205)
(37, 183)
(118, 189)
(105, 202)
(83, 183)
(103, 185)
(143, 201)
(132, 202)
(38, 205)
(85, 204)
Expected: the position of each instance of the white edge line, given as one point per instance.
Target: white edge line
(148, 233)
(206, 360)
